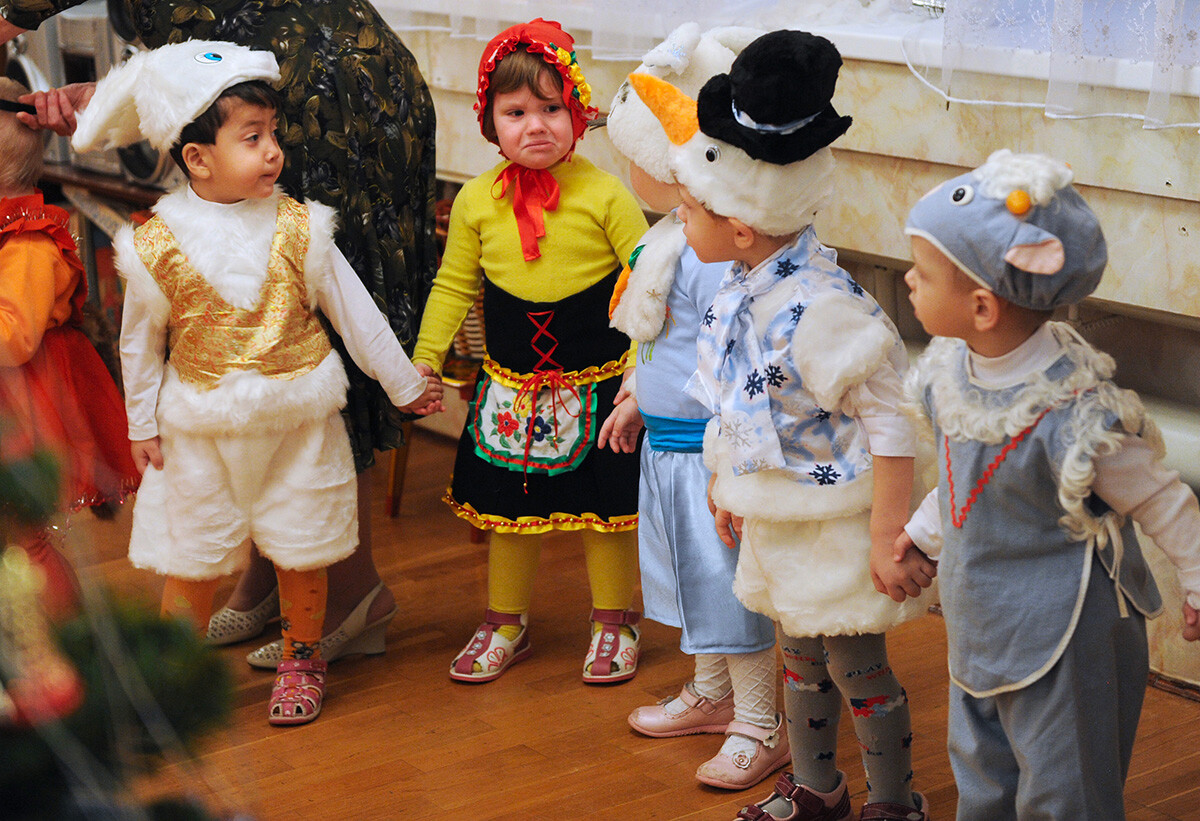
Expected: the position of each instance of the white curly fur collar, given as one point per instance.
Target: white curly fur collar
(964, 414)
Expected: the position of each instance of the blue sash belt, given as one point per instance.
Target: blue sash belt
(675, 435)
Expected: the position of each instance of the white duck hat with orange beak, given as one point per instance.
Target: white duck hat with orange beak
(754, 144)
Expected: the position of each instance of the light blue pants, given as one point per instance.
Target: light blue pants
(687, 572)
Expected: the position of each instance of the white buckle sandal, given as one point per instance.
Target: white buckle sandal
(612, 655)
(490, 650)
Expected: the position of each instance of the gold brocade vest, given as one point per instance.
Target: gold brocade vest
(208, 338)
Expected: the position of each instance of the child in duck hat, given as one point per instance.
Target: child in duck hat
(811, 455)
(548, 233)
(1046, 464)
(232, 388)
(687, 573)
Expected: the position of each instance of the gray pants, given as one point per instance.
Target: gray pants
(1059, 748)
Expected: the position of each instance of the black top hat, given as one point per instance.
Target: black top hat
(774, 103)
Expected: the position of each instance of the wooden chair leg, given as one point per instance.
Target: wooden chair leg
(395, 488)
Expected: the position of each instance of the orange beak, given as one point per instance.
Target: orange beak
(674, 109)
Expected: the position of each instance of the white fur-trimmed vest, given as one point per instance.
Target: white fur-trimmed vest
(820, 335)
(267, 366)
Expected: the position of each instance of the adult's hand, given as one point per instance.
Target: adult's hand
(58, 107)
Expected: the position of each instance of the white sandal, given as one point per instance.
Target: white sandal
(354, 635)
(491, 650)
(612, 655)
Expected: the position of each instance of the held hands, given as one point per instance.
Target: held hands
(146, 452)
(620, 429)
(899, 568)
(58, 107)
(729, 525)
(430, 401)
(1191, 622)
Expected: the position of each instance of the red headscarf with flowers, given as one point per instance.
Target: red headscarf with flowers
(535, 191)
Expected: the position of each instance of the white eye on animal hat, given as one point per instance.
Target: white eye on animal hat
(1017, 227)
(155, 94)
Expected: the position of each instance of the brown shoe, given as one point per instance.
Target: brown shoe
(881, 811)
(805, 804)
(701, 715)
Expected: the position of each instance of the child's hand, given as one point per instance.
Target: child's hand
(146, 452)
(1191, 622)
(430, 400)
(729, 526)
(901, 569)
(620, 429)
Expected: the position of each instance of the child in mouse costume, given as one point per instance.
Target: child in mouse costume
(1045, 465)
(687, 573)
(232, 387)
(811, 455)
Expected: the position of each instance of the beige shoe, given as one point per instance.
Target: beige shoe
(701, 715)
(354, 635)
(231, 626)
(739, 771)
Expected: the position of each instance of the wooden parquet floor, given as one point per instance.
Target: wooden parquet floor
(399, 740)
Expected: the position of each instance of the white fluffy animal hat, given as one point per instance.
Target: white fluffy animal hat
(686, 59)
(754, 144)
(155, 94)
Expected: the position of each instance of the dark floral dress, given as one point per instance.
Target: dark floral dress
(357, 128)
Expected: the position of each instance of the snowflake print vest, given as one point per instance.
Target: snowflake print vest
(747, 374)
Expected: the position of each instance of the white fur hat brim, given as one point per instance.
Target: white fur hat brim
(686, 59)
(772, 199)
(155, 94)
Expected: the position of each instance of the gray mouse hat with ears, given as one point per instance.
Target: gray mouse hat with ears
(1019, 228)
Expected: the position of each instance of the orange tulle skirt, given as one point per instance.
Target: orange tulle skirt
(63, 401)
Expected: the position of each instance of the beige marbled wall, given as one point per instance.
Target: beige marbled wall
(1145, 185)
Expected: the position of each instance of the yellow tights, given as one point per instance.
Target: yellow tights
(302, 596)
(513, 560)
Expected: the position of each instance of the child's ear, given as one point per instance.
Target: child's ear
(743, 234)
(985, 309)
(196, 160)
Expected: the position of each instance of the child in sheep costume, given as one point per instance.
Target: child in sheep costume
(810, 452)
(687, 573)
(232, 388)
(1045, 464)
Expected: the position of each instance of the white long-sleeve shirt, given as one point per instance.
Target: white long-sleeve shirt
(230, 245)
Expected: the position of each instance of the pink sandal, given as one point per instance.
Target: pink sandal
(612, 655)
(490, 650)
(299, 691)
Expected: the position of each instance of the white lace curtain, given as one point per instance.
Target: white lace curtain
(1123, 58)
(610, 29)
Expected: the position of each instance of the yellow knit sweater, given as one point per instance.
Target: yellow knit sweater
(593, 231)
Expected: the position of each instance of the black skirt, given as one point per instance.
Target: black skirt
(601, 492)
